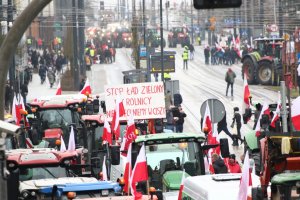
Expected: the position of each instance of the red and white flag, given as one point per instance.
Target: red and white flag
(207, 119)
(72, 145)
(129, 136)
(245, 179)
(139, 172)
(86, 88)
(265, 110)
(62, 144)
(29, 144)
(119, 112)
(277, 112)
(58, 90)
(246, 100)
(18, 104)
(181, 186)
(128, 170)
(295, 112)
(107, 136)
(104, 170)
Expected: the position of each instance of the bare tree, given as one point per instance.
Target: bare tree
(12, 39)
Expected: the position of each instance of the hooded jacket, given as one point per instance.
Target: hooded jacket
(219, 166)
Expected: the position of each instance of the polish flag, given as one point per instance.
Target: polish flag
(245, 179)
(128, 170)
(295, 112)
(86, 88)
(58, 90)
(62, 145)
(104, 170)
(29, 144)
(107, 136)
(207, 120)
(119, 112)
(181, 186)
(277, 112)
(246, 101)
(233, 41)
(237, 42)
(129, 136)
(18, 104)
(139, 172)
(72, 146)
(265, 110)
(207, 123)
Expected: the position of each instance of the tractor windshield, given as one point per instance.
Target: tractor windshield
(37, 173)
(175, 156)
(55, 118)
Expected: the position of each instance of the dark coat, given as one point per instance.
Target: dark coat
(220, 167)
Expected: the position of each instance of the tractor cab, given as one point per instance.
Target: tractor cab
(269, 47)
(168, 154)
(50, 174)
(53, 117)
(178, 35)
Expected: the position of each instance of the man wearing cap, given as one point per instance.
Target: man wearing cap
(233, 165)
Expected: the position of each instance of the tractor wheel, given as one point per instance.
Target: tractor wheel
(265, 73)
(248, 68)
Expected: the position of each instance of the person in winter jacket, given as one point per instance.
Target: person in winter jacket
(229, 78)
(179, 120)
(185, 57)
(233, 165)
(238, 120)
(51, 76)
(218, 164)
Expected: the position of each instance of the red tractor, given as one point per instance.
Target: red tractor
(178, 35)
(264, 64)
(52, 117)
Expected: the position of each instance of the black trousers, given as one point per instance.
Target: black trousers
(229, 84)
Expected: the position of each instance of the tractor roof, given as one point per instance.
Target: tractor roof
(94, 118)
(59, 101)
(284, 178)
(39, 156)
(269, 39)
(170, 138)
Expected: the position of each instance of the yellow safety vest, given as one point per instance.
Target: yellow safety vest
(92, 52)
(185, 55)
(167, 75)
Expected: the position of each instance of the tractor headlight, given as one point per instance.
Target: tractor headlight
(32, 193)
(25, 194)
(104, 193)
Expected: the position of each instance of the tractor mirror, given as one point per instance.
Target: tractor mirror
(224, 147)
(115, 155)
(96, 105)
(211, 4)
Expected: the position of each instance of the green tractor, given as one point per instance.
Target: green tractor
(264, 64)
(153, 37)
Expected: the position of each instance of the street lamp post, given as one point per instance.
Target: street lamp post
(161, 43)
(192, 22)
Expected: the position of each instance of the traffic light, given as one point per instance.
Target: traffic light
(209, 4)
(167, 4)
(101, 5)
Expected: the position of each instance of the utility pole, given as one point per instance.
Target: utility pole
(167, 13)
(144, 23)
(192, 22)
(81, 23)
(12, 68)
(75, 45)
(135, 36)
(161, 43)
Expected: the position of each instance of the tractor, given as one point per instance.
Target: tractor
(264, 64)
(153, 38)
(178, 35)
(46, 173)
(276, 156)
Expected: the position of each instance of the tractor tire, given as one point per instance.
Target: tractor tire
(265, 73)
(248, 68)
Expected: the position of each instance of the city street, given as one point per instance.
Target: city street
(197, 84)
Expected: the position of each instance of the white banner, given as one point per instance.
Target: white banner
(142, 100)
